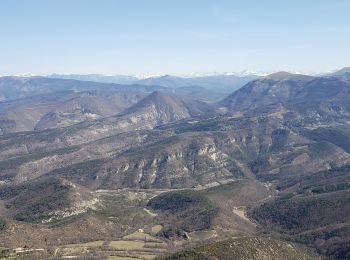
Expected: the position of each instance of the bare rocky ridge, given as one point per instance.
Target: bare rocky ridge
(287, 89)
(77, 101)
(88, 106)
(70, 108)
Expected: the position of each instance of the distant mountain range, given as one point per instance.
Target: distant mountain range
(222, 83)
(118, 79)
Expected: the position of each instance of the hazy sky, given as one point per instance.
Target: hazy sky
(172, 36)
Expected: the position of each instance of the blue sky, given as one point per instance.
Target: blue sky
(173, 37)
